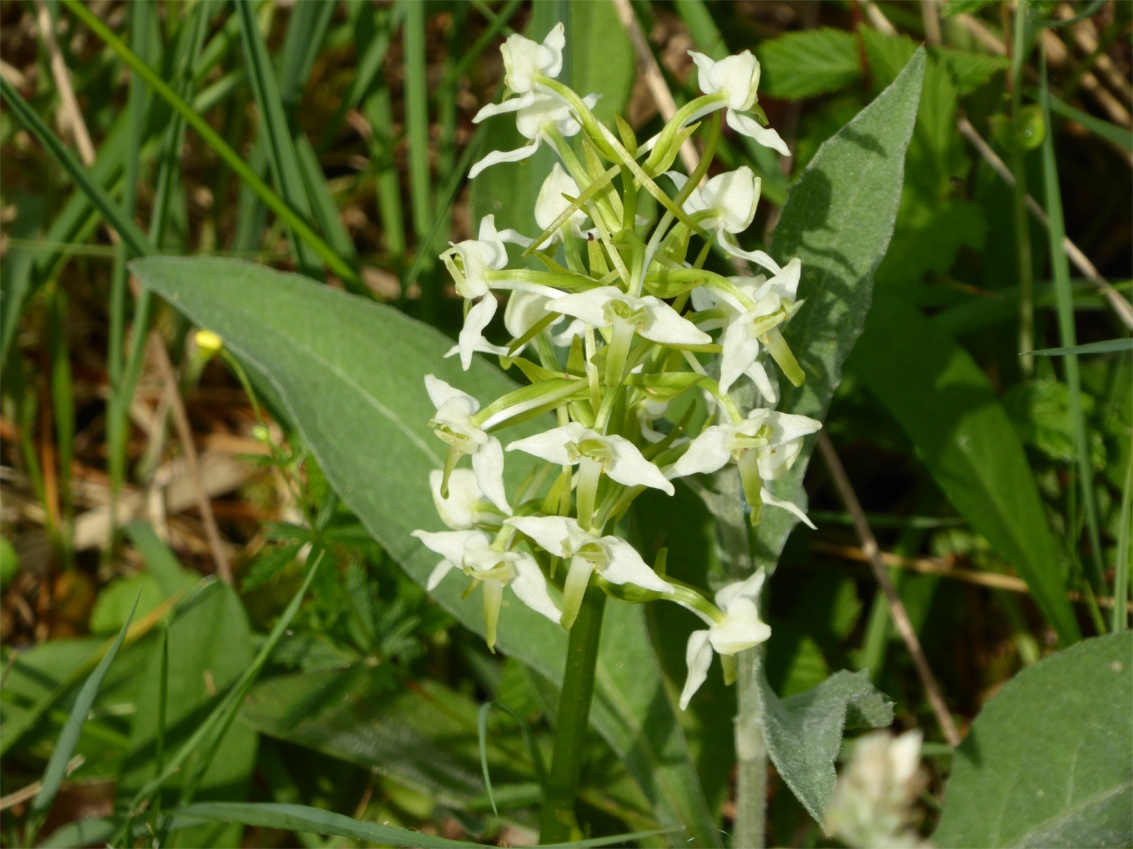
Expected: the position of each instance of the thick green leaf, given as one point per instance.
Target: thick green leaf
(351, 374)
(209, 647)
(944, 402)
(803, 64)
(423, 736)
(1049, 760)
(302, 818)
(838, 221)
(804, 732)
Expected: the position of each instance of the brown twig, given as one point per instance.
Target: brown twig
(74, 118)
(1120, 306)
(900, 616)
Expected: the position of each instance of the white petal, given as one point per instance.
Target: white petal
(740, 350)
(630, 467)
(788, 427)
(707, 453)
(755, 256)
(514, 237)
(472, 333)
(554, 43)
(751, 128)
(764, 382)
(627, 567)
(458, 511)
(513, 104)
(498, 156)
(484, 347)
(698, 656)
(437, 575)
(733, 197)
(441, 392)
(789, 506)
(524, 310)
(705, 78)
(552, 533)
(531, 588)
(738, 77)
(551, 444)
(666, 326)
(741, 628)
(451, 545)
(589, 306)
(748, 588)
(551, 203)
(488, 464)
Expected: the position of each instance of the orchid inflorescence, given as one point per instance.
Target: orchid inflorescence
(620, 328)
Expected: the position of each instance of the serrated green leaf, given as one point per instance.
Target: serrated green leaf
(804, 732)
(944, 402)
(804, 64)
(969, 70)
(1049, 760)
(351, 374)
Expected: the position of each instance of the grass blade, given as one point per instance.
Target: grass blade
(303, 818)
(69, 737)
(222, 714)
(1109, 346)
(213, 139)
(137, 241)
(1060, 268)
(282, 159)
(417, 126)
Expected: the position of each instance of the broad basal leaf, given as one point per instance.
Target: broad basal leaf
(1049, 760)
(351, 374)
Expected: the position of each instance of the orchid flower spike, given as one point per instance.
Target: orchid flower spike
(736, 80)
(453, 423)
(738, 627)
(614, 559)
(493, 568)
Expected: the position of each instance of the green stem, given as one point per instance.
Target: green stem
(1021, 47)
(751, 755)
(557, 820)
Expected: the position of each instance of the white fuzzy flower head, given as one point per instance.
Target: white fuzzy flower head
(524, 59)
(876, 792)
(473, 553)
(737, 629)
(617, 457)
(736, 80)
(611, 557)
(453, 423)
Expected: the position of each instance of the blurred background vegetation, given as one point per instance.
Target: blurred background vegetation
(336, 138)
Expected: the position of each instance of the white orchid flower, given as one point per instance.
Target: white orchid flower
(465, 506)
(614, 559)
(454, 424)
(651, 317)
(764, 445)
(738, 628)
(730, 201)
(736, 80)
(524, 59)
(473, 553)
(774, 304)
(616, 456)
(538, 115)
(470, 263)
